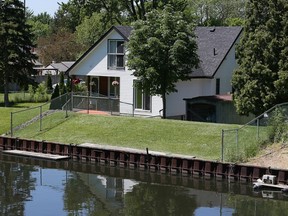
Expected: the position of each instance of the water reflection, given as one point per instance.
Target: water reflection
(38, 187)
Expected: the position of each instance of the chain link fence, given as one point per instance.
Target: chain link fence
(241, 143)
(26, 117)
(64, 104)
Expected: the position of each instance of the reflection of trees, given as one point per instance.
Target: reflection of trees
(245, 205)
(15, 186)
(147, 199)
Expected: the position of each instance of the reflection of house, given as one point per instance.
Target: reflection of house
(104, 63)
(109, 191)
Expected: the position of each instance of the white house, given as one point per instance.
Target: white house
(104, 67)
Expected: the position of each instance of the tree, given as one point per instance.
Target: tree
(90, 30)
(259, 82)
(55, 93)
(49, 83)
(16, 58)
(162, 51)
(60, 46)
(41, 24)
(217, 12)
(62, 87)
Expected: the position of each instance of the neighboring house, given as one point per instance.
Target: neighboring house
(55, 68)
(104, 67)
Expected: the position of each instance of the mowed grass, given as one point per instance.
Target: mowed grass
(202, 140)
(5, 115)
(5, 112)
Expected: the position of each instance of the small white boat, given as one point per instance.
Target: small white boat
(269, 182)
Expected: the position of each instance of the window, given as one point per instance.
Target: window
(142, 100)
(217, 86)
(115, 54)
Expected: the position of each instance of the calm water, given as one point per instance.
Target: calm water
(37, 187)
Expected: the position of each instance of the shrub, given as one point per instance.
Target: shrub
(41, 93)
(49, 83)
(277, 127)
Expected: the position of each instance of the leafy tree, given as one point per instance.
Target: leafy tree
(90, 30)
(137, 10)
(260, 81)
(217, 12)
(74, 12)
(162, 51)
(16, 58)
(41, 25)
(60, 46)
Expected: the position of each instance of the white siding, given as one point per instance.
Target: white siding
(186, 89)
(95, 63)
(225, 72)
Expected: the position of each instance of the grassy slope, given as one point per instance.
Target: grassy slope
(190, 138)
(5, 114)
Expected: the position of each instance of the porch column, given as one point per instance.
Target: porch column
(89, 86)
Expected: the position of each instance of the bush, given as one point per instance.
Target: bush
(49, 83)
(277, 127)
(38, 94)
(41, 93)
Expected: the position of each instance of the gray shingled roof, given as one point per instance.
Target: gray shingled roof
(62, 66)
(124, 30)
(214, 44)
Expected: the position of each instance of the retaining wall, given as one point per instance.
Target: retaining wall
(137, 159)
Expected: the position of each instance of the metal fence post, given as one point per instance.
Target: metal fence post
(237, 143)
(257, 128)
(110, 105)
(72, 95)
(40, 118)
(11, 124)
(222, 145)
(66, 104)
(88, 103)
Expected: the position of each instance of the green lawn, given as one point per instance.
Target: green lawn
(202, 140)
(5, 115)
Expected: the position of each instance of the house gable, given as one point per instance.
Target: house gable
(214, 44)
(97, 53)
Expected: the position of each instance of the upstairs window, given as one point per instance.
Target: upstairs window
(115, 54)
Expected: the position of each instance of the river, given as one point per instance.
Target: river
(39, 187)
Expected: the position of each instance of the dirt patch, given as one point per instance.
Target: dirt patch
(275, 156)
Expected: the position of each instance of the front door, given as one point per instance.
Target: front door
(103, 86)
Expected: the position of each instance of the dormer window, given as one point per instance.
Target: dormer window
(115, 54)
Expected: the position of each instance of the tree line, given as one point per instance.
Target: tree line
(77, 24)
